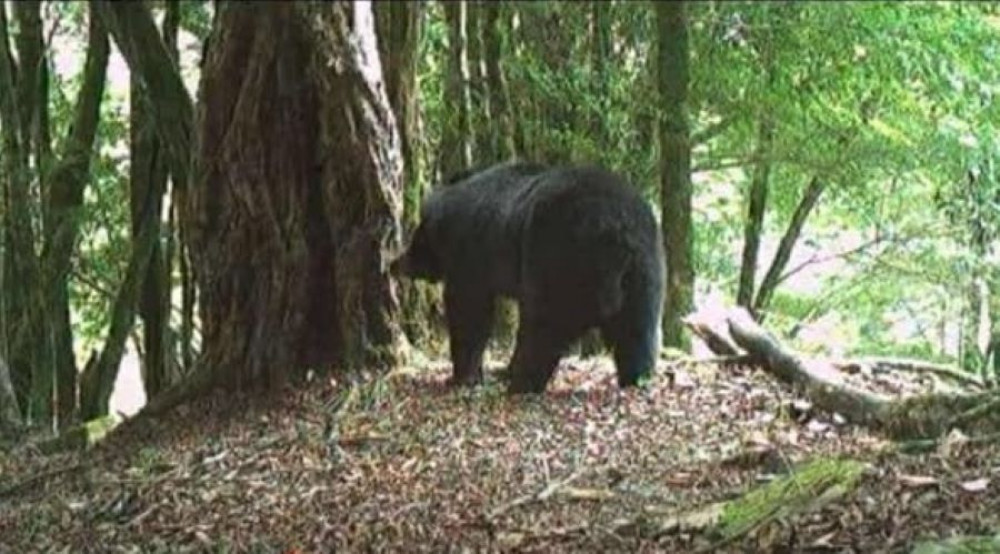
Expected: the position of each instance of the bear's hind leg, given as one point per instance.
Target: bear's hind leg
(539, 347)
(634, 350)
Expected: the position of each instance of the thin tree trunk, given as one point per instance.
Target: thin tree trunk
(68, 180)
(31, 71)
(456, 147)
(756, 208)
(30, 85)
(32, 378)
(479, 117)
(10, 416)
(188, 290)
(591, 344)
(600, 46)
(148, 171)
(148, 57)
(132, 26)
(503, 129)
(675, 160)
(785, 247)
(98, 379)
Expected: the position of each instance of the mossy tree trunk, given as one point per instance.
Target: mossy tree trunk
(31, 368)
(675, 168)
(456, 141)
(399, 26)
(503, 130)
(294, 210)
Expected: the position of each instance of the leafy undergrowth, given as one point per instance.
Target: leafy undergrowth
(401, 463)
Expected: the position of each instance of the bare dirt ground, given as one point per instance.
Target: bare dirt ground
(403, 464)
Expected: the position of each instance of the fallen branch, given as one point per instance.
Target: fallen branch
(739, 359)
(916, 366)
(913, 417)
(541, 496)
(820, 381)
(39, 478)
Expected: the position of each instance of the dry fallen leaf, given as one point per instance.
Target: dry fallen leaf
(917, 480)
(976, 485)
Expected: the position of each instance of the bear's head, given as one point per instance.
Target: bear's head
(422, 258)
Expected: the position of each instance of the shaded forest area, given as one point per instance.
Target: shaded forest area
(202, 346)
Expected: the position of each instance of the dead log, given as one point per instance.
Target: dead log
(818, 380)
(714, 339)
(913, 417)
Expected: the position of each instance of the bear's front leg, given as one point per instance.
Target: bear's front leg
(470, 319)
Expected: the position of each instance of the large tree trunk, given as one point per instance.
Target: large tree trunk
(456, 140)
(294, 209)
(148, 172)
(675, 167)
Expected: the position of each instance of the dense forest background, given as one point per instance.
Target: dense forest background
(842, 178)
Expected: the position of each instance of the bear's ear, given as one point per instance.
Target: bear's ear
(459, 176)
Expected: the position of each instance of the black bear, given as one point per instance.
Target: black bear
(575, 247)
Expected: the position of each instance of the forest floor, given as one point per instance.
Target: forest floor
(400, 463)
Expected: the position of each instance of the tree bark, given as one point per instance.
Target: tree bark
(148, 172)
(132, 26)
(295, 206)
(29, 80)
(10, 415)
(400, 26)
(503, 131)
(31, 371)
(456, 142)
(787, 244)
(67, 182)
(675, 167)
(32, 73)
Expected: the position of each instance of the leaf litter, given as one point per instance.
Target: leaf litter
(402, 463)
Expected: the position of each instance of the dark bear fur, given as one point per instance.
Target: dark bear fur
(576, 247)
